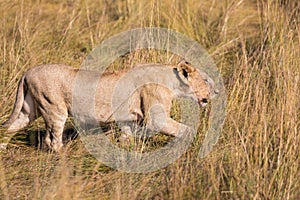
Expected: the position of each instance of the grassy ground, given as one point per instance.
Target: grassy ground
(255, 45)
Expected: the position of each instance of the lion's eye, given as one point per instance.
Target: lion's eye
(205, 80)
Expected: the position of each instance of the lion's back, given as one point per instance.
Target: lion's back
(53, 83)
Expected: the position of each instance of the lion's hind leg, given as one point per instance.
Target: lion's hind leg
(53, 137)
(54, 129)
(27, 114)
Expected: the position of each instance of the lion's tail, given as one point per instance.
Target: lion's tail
(18, 104)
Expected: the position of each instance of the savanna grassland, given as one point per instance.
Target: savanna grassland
(255, 45)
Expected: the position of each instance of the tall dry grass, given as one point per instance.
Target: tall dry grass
(255, 45)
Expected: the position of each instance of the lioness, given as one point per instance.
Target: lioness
(47, 91)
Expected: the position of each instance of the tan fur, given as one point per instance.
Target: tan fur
(47, 91)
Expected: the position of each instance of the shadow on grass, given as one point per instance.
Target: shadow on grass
(34, 138)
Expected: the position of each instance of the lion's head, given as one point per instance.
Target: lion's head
(202, 85)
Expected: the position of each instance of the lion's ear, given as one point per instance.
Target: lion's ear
(185, 68)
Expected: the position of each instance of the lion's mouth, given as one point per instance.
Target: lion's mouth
(203, 102)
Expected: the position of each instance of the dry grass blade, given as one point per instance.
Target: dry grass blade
(255, 45)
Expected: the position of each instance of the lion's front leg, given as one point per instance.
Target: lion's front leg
(126, 133)
(160, 121)
(169, 127)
